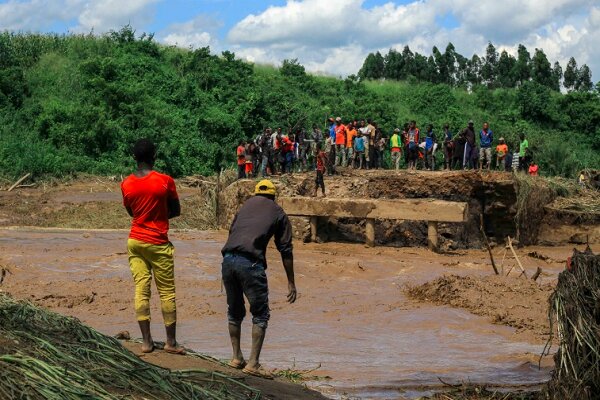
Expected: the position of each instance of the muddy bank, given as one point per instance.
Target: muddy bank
(517, 302)
(275, 389)
(506, 211)
(527, 211)
(95, 203)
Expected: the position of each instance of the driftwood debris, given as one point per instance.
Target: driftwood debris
(487, 244)
(512, 249)
(537, 274)
(17, 183)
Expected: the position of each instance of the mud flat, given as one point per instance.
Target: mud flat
(352, 318)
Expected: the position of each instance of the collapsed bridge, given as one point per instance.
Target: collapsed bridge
(430, 210)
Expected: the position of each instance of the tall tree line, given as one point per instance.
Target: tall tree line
(492, 69)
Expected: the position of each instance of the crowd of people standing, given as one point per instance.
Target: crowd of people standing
(361, 144)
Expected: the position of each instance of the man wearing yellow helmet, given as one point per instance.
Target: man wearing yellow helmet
(243, 270)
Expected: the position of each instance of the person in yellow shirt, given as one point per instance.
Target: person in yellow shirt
(396, 148)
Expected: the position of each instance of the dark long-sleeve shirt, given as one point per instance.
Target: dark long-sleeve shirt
(255, 224)
(469, 135)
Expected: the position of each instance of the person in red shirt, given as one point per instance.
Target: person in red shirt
(321, 159)
(288, 154)
(151, 199)
(533, 169)
(241, 159)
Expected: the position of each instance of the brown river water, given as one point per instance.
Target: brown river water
(352, 317)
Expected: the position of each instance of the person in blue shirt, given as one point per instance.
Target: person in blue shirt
(359, 151)
(430, 143)
(486, 137)
(332, 129)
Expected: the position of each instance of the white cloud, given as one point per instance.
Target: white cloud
(332, 23)
(102, 16)
(509, 20)
(36, 15)
(336, 35)
(199, 32)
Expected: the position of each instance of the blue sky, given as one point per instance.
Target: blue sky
(333, 36)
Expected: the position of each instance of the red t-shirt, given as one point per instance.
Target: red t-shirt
(533, 170)
(288, 145)
(147, 198)
(321, 158)
(241, 155)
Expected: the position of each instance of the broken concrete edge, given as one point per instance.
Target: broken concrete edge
(401, 209)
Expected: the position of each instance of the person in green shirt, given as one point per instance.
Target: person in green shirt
(523, 158)
(396, 148)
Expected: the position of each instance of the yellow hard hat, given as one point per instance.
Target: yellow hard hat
(265, 187)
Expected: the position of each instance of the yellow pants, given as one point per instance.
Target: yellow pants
(145, 260)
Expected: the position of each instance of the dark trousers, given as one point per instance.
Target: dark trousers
(470, 155)
(320, 182)
(331, 161)
(242, 171)
(243, 277)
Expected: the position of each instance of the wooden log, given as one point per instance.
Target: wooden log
(314, 222)
(537, 274)
(432, 235)
(487, 244)
(370, 232)
(17, 183)
(516, 257)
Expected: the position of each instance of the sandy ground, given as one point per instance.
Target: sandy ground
(352, 321)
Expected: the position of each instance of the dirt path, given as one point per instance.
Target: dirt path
(352, 318)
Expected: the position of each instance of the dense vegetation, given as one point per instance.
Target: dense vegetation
(492, 70)
(76, 103)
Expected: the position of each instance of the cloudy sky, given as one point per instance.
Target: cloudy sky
(329, 36)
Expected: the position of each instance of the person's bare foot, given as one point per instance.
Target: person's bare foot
(179, 350)
(148, 347)
(259, 371)
(237, 364)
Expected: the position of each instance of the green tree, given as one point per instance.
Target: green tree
(474, 67)
(571, 74)
(584, 79)
(409, 62)
(450, 61)
(506, 64)
(522, 68)
(541, 69)
(393, 63)
(373, 67)
(292, 68)
(557, 75)
(490, 66)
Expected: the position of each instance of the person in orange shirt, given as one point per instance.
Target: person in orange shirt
(151, 199)
(501, 152)
(350, 135)
(241, 159)
(340, 141)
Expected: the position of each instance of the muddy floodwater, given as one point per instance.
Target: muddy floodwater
(352, 318)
